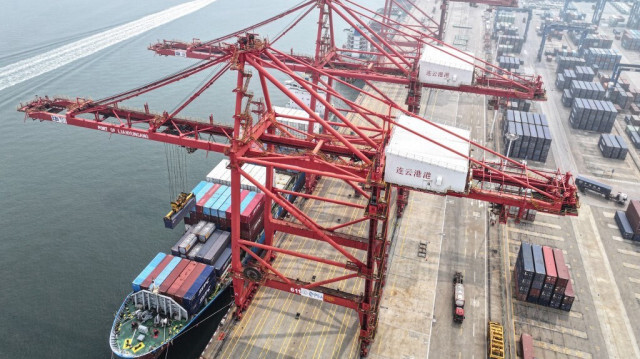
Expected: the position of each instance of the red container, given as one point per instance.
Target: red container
(527, 346)
(154, 274)
(188, 282)
(633, 215)
(164, 287)
(533, 292)
(549, 266)
(254, 208)
(569, 294)
(206, 197)
(191, 265)
(562, 270)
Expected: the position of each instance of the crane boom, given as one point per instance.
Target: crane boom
(348, 146)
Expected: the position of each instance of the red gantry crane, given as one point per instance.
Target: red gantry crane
(350, 146)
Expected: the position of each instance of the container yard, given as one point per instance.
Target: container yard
(341, 212)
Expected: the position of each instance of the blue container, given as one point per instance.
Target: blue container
(214, 198)
(224, 195)
(540, 271)
(222, 261)
(196, 190)
(146, 271)
(201, 287)
(167, 270)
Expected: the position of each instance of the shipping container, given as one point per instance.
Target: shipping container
(291, 117)
(527, 346)
(155, 272)
(166, 272)
(180, 279)
(540, 272)
(195, 296)
(440, 68)
(623, 225)
(562, 269)
(223, 261)
(137, 282)
(421, 164)
(188, 282)
(633, 215)
(216, 248)
(171, 278)
(568, 298)
(584, 184)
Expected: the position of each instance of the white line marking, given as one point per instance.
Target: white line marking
(628, 252)
(632, 266)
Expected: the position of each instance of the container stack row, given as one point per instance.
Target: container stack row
(527, 214)
(213, 204)
(633, 125)
(185, 281)
(600, 41)
(621, 97)
(568, 63)
(584, 90)
(220, 174)
(509, 62)
(634, 21)
(519, 105)
(542, 277)
(506, 17)
(629, 221)
(592, 115)
(515, 42)
(533, 135)
(210, 251)
(613, 146)
(605, 59)
(584, 73)
(631, 40)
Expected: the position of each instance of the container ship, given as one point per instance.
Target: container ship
(175, 292)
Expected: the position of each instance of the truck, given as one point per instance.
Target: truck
(458, 298)
(585, 184)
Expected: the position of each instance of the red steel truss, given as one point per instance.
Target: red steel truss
(350, 148)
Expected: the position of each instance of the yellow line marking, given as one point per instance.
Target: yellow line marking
(289, 299)
(561, 349)
(553, 327)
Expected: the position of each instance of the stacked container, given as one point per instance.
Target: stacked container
(568, 63)
(562, 280)
(592, 115)
(634, 136)
(515, 42)
(606, 59)
(631, 40)
(550, 279)
(542, 277)
(187, 282)
(220, 174)
(584, 73)
(539, 276)
(508, 62)
(633, 215)
(613, 146)
(584, 90)
(524, 271)
(596, 41)
(534, 136)
(623, 225)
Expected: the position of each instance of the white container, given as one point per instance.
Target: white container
(417, 163)
(437, 67)
(301, 125)
(220, 174)
(304, 96)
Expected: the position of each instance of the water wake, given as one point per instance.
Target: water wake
(24, 70)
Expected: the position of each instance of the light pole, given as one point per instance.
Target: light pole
(511, 137)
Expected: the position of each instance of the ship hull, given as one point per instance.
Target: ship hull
(207, 311)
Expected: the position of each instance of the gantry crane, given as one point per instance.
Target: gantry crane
(355, 156)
